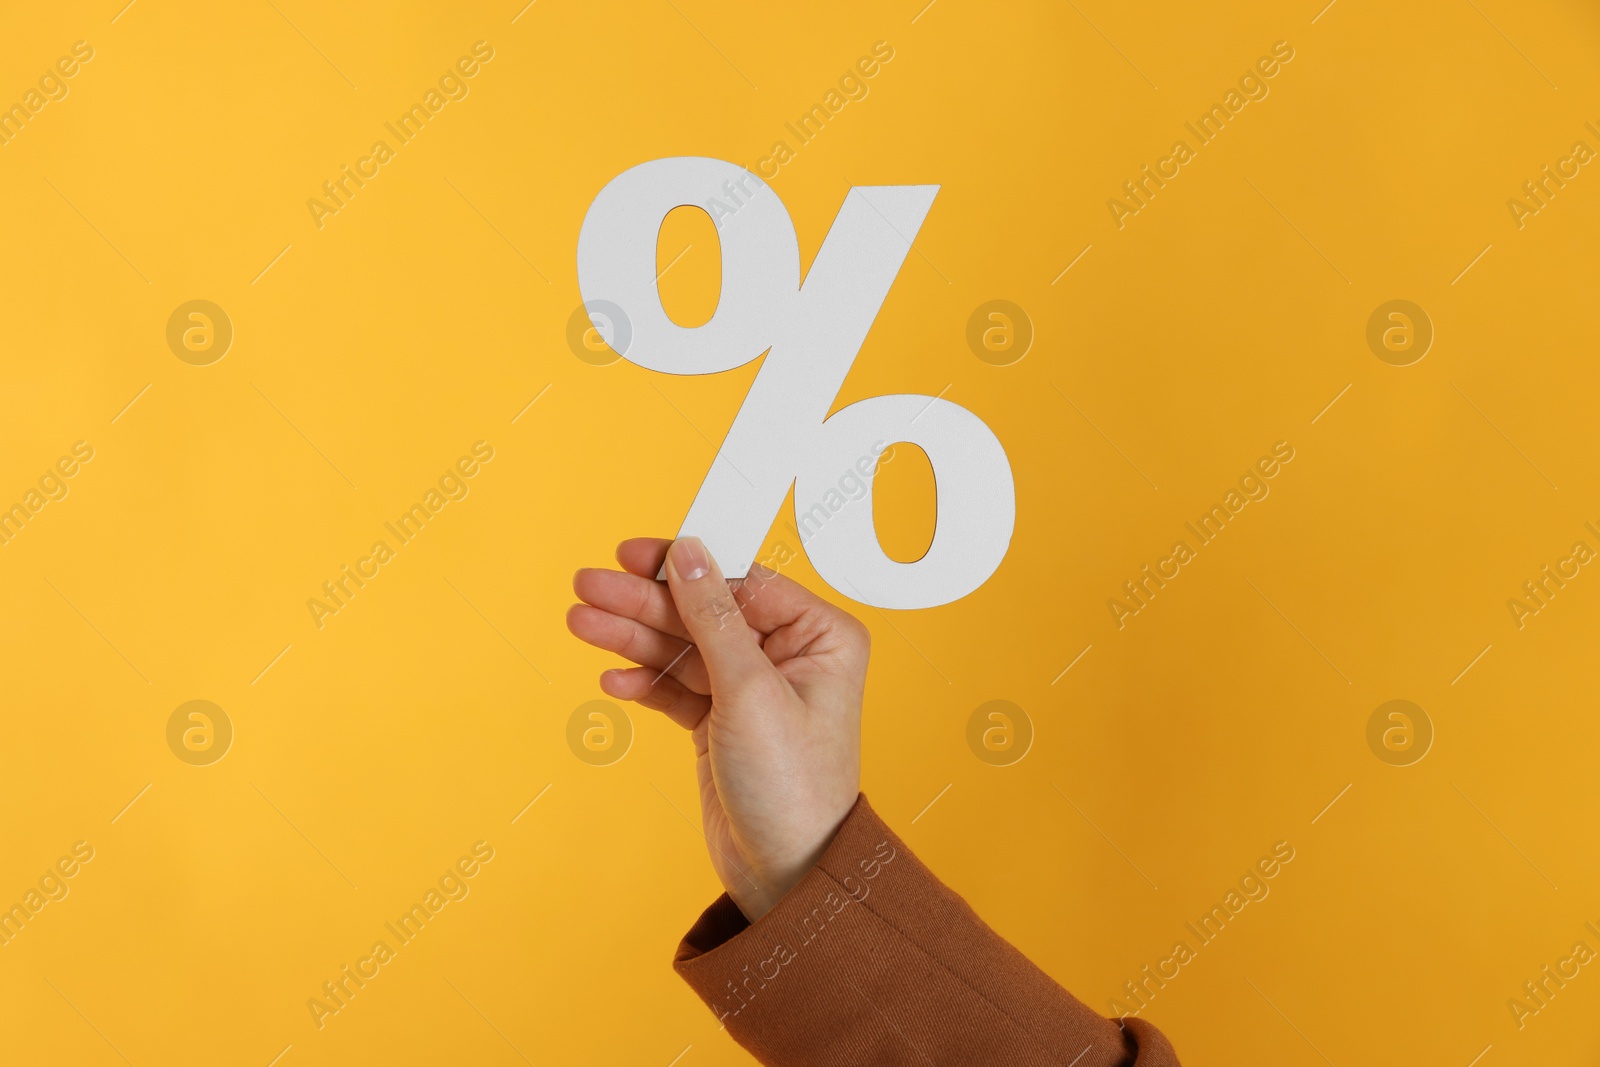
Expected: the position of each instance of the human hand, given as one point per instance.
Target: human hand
(769, 679)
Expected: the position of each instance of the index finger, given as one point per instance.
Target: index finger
(643, 555)
(767, 599)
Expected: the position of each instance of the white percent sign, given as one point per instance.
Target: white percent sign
(811, 333)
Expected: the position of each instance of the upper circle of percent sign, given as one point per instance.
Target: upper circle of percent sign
(814, 330)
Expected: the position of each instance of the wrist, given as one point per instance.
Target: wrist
(756, 900)
(764, 888)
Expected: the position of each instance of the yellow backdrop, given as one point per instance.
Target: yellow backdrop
(184, 477)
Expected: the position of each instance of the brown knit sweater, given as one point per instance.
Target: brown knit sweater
(871, 960)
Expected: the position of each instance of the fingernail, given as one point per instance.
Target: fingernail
(689, 559)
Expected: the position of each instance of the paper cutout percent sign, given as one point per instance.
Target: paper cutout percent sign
(814, 332)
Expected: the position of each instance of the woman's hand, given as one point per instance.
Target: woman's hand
(769, 679)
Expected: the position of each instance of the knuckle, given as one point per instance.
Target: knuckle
(666, 699)
(641, 601)
(718, 608)
(680, 662)
(854, 633)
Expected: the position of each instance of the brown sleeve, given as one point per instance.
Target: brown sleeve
(871, 959)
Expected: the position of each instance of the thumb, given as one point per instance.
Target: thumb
(712, 616)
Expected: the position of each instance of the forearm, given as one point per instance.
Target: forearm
(871, 959)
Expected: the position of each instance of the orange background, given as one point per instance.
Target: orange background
(1228, 314)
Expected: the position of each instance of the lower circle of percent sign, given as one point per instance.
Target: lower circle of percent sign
(782, 433)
